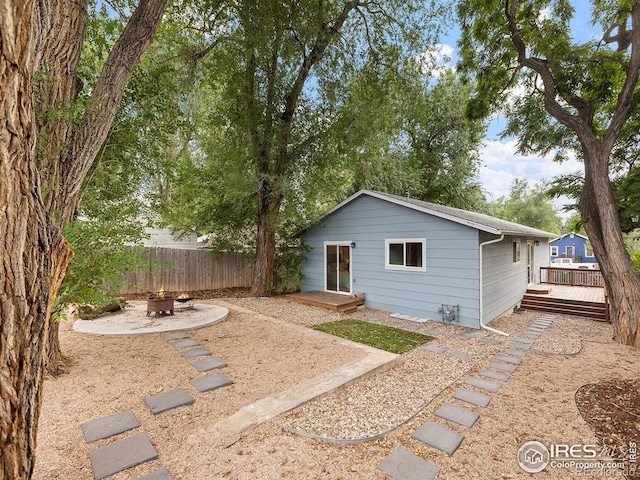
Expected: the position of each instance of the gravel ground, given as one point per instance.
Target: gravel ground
(114, 374)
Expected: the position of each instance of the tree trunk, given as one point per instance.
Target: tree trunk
(67, 151)
(602, 224)
(56, 362)
(265, 244)
(26, 239)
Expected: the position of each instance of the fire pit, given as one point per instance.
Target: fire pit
(161, 304)
(185, 299)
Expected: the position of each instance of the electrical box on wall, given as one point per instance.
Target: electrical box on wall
(450, 313)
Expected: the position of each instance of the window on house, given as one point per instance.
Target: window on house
(406, 254)
(516, 251)
(588, 250)
(554, 250)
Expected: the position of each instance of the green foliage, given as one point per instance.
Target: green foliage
(394, 340)
(527, 206)
(103, 254)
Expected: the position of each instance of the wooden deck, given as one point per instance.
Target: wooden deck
(570, 300)
(331, 301)
(584, 294)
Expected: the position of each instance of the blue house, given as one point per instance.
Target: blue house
(423, 260)
(572, 245)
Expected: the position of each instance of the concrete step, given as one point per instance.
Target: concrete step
(456, 414)
(437, 436)
(402, 464)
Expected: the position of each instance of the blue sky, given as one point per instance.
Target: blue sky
(500, 162)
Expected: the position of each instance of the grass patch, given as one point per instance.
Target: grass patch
(394, 340)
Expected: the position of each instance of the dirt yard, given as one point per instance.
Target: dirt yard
(110, 374)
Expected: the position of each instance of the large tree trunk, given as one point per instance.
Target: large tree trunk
(67, 151)
(26, 240)
(265, 244)
(602, 224)
(35, 255)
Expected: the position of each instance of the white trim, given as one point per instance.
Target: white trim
(404, 241)
(551, 247)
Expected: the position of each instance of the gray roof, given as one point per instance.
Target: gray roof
(479, 221)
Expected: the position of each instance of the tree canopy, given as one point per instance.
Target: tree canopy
(576, 94)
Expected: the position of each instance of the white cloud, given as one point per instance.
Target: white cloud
(501, 164)
(436, 60)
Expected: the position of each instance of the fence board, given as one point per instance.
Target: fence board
(178, 270)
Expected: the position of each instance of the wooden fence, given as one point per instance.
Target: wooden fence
(571, 276)
(178, 270)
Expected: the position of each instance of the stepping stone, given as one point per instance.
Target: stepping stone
(433, 348)
(208, 364)
(474, 398)
(175, 336)
(457, 414)
(477, 335)
(521, 346)
(484, 384)
(195, 352)
(437, 436)
(373, 319)
(530, 336)
(392, 324)
(505, 367)
(402, 464)
(462, 356)
(461, 336)
(524, 340)
(109, 426)
(168, 400)
(493, 341)
(503, 377)
(433, 333)
(121, 455)
(411, 327)
(514, 353)
(187, 342)
(504, 358)
(210, 382)
(160, 474)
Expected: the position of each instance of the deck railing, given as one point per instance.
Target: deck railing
(571, 276)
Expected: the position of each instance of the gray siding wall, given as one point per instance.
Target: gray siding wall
(451, 277)
(505, 282)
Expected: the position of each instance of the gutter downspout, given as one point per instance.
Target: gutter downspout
(482, 325)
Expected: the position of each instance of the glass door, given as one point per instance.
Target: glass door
(338, 267)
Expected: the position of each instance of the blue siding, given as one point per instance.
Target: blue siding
(451, 276)
(452, 263)
(578, 242)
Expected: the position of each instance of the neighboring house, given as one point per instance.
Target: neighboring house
(572, 245)
(422, 259)
(165, 238)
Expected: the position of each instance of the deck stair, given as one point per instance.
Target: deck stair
(581, 308)
(331, 301)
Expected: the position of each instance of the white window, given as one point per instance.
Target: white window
(554, 250)
(406, 254)
(588, 250)
(516, 251)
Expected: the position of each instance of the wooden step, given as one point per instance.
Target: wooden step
(564, 306)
